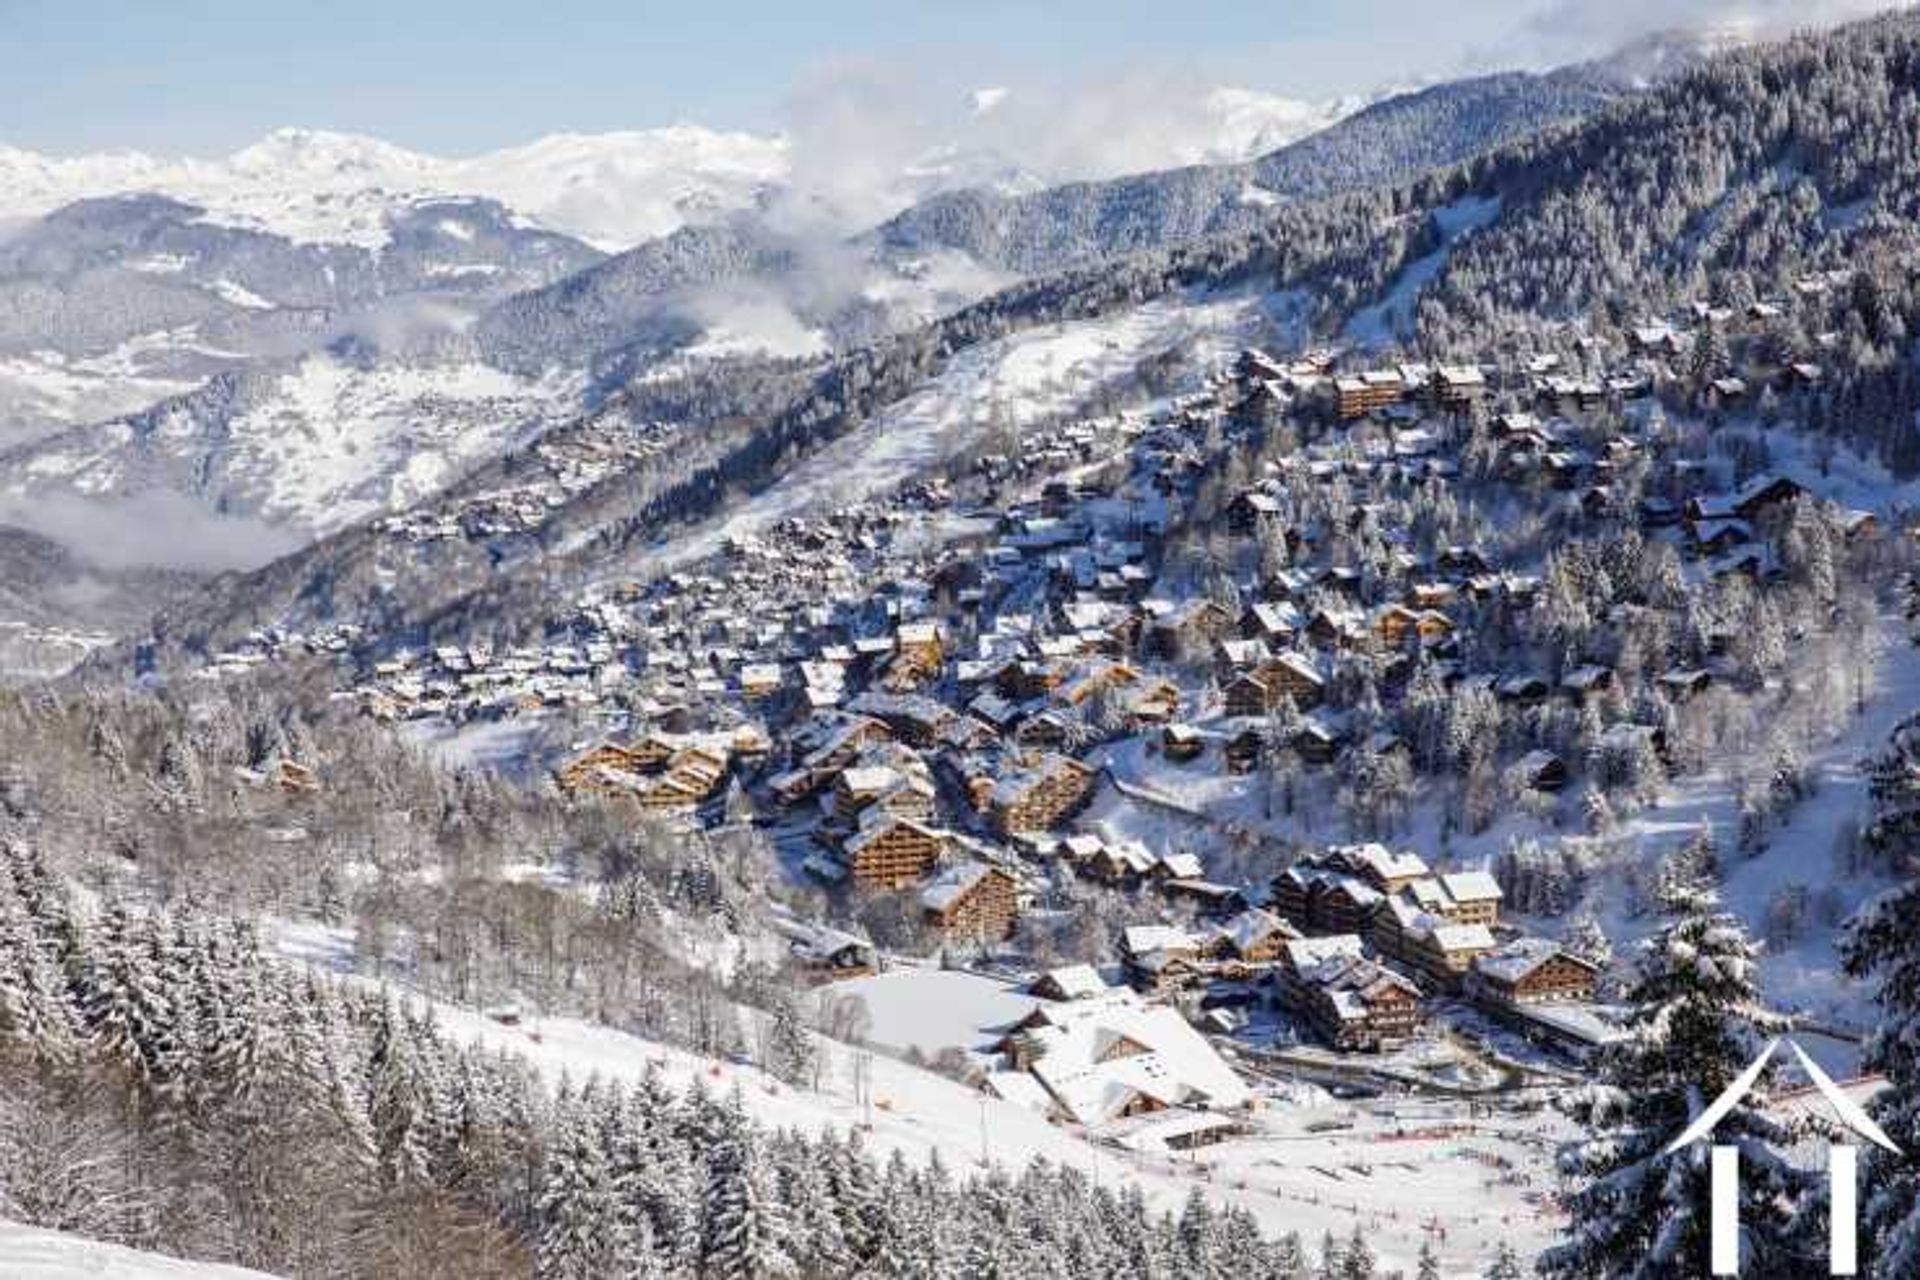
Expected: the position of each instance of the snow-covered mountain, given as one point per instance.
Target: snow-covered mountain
(314, 443)
(613, 190)
(311, 186)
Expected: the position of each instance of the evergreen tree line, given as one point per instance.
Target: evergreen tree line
(170, 1085)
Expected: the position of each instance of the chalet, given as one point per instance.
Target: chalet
(1440, 952)
(1318, 740)
(1356, 396)
(1680, 685)
(1071, 982)
(1527, 690)
(1181, 742)
(826, 954)
(1324, 901)
(1395, 622)
(681, 779)
(1246, 512)
(1253, 937)
(1120, 863)
(1188, 628)
(1472, 897)
(1717, 537)
(1764, 494)
(759, 680)
(1337, 629)
(1457, 386)
(586, 772)
(1112, 1056)
(1532, 971)
(1039, 796)
(1541, 771)
(1586, 681)
(1242, 752)
(902, 793)
(1378, 865)
(890, 852)
(972, 900)
(1354, 1003)
(1272, 622)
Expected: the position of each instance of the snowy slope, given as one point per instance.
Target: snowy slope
(1292, 1174)
(1016, 383)
(29, 1253)
(317, 444)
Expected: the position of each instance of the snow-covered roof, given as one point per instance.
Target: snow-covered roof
(1075, 981)
(953, 884)
(1463, 937)
(1513, 962)
(1304, 953)
(1182, 866)
(1140, 939)
(1471, 886)
(1095, 1056)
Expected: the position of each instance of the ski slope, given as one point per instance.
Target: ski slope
(30, 1253)
(1009, 385)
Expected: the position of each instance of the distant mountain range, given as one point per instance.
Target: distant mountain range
(611, 190)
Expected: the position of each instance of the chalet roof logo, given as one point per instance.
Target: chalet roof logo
(1843, 1165)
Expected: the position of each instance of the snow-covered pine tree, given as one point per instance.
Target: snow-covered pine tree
(1356, 1257)
(1506, 1264)
(1639, 1212)
(398, 1105)
(582, 1231)
(1881, 942)
(744, 1233)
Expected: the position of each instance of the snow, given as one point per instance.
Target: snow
(1391, 1168)
(1020, 381)
(30, 1253)
(934, 1009)
(328, 443)
(41, 391)
(611, 189)
(1380, 324)
(617, 189)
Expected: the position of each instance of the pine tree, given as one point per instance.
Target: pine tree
(398, 1106)
(1356, 1259)
(582, 1232)
(744, 1234)
(790, 1046)
(1882, 942)
(1427, 1265)
(1639, 1212)
(1506, 1264)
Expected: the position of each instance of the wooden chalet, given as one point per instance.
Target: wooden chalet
(1039, 796)
(973, 900)
(891, 852)
(1533, 971)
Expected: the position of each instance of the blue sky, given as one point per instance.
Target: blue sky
(456, 76)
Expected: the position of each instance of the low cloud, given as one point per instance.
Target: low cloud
(1568, 30)
(155, 529)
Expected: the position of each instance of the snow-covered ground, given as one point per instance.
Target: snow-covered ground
(1011, 383)
(934, 1009)
(1381, 323)
(42, 391)
(328, 442)
(1308, 1164)
(29, 1253)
